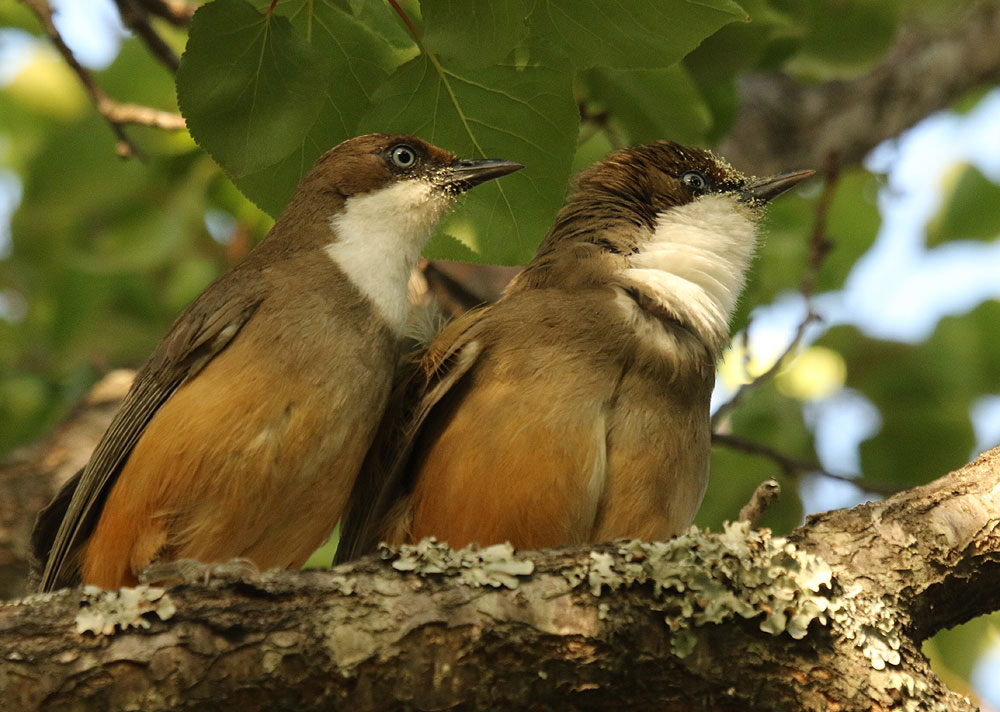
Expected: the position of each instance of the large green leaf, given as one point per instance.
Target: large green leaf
(970, 208)
(474, 33)
(628, 33)
(652, 104)
(358, 61)
(248, 85)
(521, 113)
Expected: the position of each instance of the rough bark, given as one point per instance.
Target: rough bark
(830, 619)
(783, 123)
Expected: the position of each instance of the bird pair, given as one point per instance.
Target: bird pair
(575, 409)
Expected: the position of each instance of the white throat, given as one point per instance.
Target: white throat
(696, 258)
(377, 240)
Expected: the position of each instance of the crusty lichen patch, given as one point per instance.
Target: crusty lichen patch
(102, 612)
(494, 566)
(706, 577)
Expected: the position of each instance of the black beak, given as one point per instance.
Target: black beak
(761, 190)
(462, 175)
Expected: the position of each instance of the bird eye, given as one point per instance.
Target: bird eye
(404, 156)
(694, 181)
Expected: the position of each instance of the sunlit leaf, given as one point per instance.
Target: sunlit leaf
(969, 208)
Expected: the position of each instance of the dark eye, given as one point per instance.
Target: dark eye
(694, 181)
(403, 156)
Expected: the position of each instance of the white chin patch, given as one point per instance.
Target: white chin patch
(378, 238)
(697, 256)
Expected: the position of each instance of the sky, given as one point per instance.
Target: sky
(898, 290)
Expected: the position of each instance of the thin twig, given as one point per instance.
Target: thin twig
(116, 114)
(136, 17)
(414, 32)
(820, 243)
(792, 467)
(819, 247)
(177, 12)
(766, 494)
(141, 116)
(741, 392)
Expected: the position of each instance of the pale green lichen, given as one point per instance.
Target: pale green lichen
(708, 578)
(102, 612)
(494, 566)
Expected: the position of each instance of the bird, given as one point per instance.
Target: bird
(244, 430)
(576, 408)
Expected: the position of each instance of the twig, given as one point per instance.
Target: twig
(117, 115)
(763, 497)
(177, 12)
(792, 467)
(136, 17)
(820, 243)
(819, 247)
(727, 407)
(414, 32)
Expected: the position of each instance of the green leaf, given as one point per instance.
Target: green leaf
(445, 247)
(968, 208)
(652, 104)
(628, 33)
(474, 33)
(248, 85)
(525, 114)
(923, 393)
(358, 61)
(841, 40)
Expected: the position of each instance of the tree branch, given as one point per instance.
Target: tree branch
(783, 123)
(830, 619)
(116, 114)
(135, 16)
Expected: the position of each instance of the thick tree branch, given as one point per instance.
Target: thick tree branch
(831, 619)
(783, 123)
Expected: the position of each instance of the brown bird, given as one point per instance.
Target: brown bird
(243, 432)
(576, 408)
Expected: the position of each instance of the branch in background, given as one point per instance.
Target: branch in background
(793, 467)
(784, 123)
(820, 243)
(135, 16)
(116, 114)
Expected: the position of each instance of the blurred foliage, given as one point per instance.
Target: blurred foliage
(105, 253)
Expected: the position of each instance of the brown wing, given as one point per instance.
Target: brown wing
(200, 334)
(421, 382)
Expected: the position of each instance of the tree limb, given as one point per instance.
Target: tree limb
(783, 123)
(830, 619)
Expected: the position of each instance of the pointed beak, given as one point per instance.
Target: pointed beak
(465, 174)
(761, 190)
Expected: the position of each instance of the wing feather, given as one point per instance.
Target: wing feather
(193, 341)
(423, 379)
